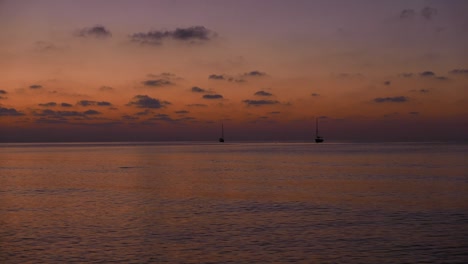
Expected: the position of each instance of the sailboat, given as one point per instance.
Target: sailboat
(221, 139)
(318, 139)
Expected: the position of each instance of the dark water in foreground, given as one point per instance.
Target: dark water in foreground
(237, 203)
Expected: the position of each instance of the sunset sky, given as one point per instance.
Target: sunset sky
(175, 70)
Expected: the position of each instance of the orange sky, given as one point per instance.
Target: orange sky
(166, 70)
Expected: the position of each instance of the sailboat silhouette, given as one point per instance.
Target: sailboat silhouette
(318, 139)
(221, 139)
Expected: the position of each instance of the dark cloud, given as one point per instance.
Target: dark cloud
(315, 94)
(103, 103)
(260, 102)
(407, 13)
(91, 112)
(191, 33)
(197, 105)
(97, 31)
(238, 78)
(157, 83)
(197, 89)
(413, 113)
(9, 112)
(57, 114)
(196, 34)
(275, 112)
(216, 77)
(89, 103)
(254, 73)
(35, 86)
(442, 78)
(423, 91)
(226, 78)
(49, 104)
(212, 96)
(263, 93)
(3, 92)
(182, 112)
(144, 101)
(86, 103)
(387, 83)
(162, 117)
(65, 105)
(428, 12)
(395, 99)
(427, 74)
(459, 71)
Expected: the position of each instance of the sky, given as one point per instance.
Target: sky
(140, 70)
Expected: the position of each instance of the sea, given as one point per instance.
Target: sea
(245, 202)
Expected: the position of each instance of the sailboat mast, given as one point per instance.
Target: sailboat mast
(222, 130)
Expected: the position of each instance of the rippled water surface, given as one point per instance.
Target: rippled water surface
(237, 203)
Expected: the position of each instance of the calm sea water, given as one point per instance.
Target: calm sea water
(234, 203)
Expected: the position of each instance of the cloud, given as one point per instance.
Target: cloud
(315, 94)
(428, 12)
(197, 89)
(254, 73)
(91, 112)
(143, 113)
(413, 113)
(407, 13)
(427, 74)
(197, 105)
(49, 104)
(260, 102)
(263, 93)
(442, 78)
(52, 113)
(275, 113)
(3, 92)
(387, 83)
(236, 78)
(89, 103)
(35, 86)
(395, 99)
(195, 34)
(9, 112)
(459, 71)
(162, 117)
(157, 83)
(97, 31)
(65, 105)
(406, 75)
(216, 77)
(182, 112)
(144, 101)
(103, 103)
(106, 89)
(212, 96)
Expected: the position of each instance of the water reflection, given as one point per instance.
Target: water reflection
(237, 202)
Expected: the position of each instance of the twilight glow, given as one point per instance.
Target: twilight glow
(176, 70)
